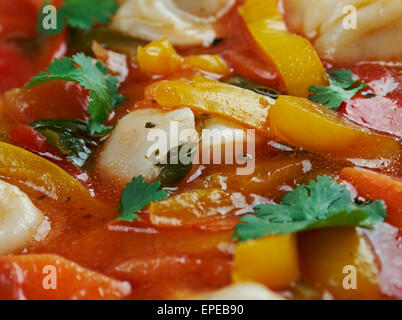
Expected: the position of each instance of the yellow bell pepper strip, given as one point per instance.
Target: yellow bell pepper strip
(4, 124)
(160, 57)
(27, 168)
(204, 95)
(208, 63)
(196, 207)
(268, 177)
(324, 254)
(271, 260)
(300, 122)
(294, 57)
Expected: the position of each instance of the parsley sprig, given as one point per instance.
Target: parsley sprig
(137, 195)
(103, 89)
(341, 87)
(318, 204)
(81, 14)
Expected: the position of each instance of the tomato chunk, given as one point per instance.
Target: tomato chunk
(15, 68)
(375, 186)
(29, 139)
(51, 277)
(67, 100)
(329, 256)
(26, 137)
(18, 17)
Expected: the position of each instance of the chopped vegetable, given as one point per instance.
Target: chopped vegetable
(244, 83)
(205, 95)
(26, 167)
(331, 259)
(15, 67)
(272, 261)
(68, 100)
(341, 87)
(137, 195)
(201, 207)
(26, 137)
(69, 137)
(208, 63)
(319, 204)
(294, 56)
(160, 57)
(103, 90)
(79, 14)
(269, 176)
(18, 17)
(300, 122)
(51, 277)
(373, 185)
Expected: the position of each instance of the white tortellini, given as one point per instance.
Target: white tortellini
(184, 22)
(130, 150)
(375, 34)
(19, 218)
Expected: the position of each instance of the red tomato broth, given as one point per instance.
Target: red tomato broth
(384, 111)
(162, 262)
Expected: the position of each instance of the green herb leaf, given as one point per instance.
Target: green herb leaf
(69, 137)
(244, 83)
(103, 91)
(341, 87)
(174, 171)
(319, 204)
(137, 195)
(81, 14)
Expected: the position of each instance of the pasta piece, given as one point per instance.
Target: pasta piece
(375, 34)
(230, 138)
(183, 22)
(19, 218)
(132, 146)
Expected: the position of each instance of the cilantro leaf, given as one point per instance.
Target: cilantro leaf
(103, 91)
(81, 14)
(319, 204)
(341, 87)
(137, 195)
